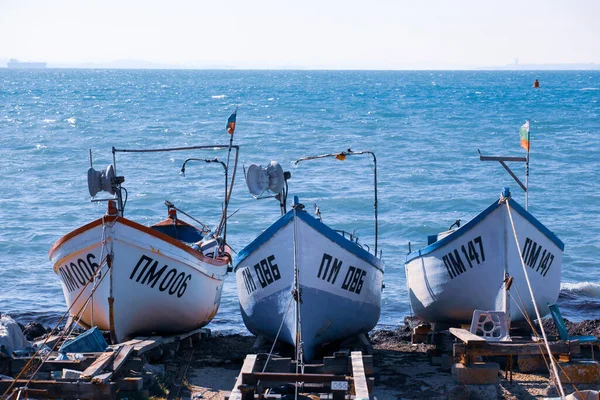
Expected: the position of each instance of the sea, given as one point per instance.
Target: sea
(425, 128)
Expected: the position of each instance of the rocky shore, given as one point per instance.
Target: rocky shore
(402, 370)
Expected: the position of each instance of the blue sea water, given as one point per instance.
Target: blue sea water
(425, 128)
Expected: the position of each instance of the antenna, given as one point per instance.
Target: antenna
(101, 180)
(260, 179)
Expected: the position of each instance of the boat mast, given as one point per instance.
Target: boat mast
(342, 156)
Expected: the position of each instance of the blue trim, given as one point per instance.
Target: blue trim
(542, 228)
(264, 237)
(341, 241)
(316, 225)
(465, 228)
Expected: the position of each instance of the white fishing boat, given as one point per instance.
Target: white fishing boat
(300, 281)
(488, 263)
(131, 279)
(465, 269)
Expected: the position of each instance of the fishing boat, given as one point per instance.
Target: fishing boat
(131, 279)
(302, 282)
(467, 268)
(493, 262)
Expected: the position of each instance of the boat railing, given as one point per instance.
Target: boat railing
(353, 238)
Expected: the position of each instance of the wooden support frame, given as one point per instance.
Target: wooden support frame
(339, 376)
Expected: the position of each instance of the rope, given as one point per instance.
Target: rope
(25, 368)
(543, 354)
(512, 223)
(278, 332)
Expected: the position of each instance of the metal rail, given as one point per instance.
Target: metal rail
(342, 156)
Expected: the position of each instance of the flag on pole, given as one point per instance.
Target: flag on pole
(524, 133)
(231, 123)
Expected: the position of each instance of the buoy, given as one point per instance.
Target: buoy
(536, 84)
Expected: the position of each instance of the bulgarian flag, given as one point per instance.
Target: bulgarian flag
(231, 123)
(524, 133)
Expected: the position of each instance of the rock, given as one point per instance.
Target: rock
(34, 330)
(11, 337)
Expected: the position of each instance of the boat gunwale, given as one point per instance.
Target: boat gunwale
(219, 262)
(317, 225)
(476, 220)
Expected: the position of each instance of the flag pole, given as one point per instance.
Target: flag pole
(527, 168)
(230, 130)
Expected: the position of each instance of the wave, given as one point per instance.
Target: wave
(590, 289)
(589, 88)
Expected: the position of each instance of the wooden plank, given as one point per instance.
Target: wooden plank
(130, 384)
(277, 364)
(64, 390)
(187, 357)
(147, 345)
(17, 364)
(98, 366)
(252, 378)
(247, 367)
(361, 390)
(466, 336)
(509, 348)
(121, 358)
(102, 378)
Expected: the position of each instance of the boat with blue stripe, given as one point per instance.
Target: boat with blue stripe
(302, 282)
(504, 259)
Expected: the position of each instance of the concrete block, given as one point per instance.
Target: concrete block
(476, 373)
(579, 372)
(581, 395)
(419, 333)
(71, 374)
(531, 363)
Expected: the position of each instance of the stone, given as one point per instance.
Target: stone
(531, 363)
(580, 371)
(476, 373)
(34, 330)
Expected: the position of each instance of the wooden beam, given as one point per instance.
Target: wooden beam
(17, 364)
(361, 390)
(248, 367)
(98, 366)
(509, 348)
(65, 390)
(466, 336)
(121, 357)
(183, 367)
(252, 378)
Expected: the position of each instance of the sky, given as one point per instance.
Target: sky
(314, 34)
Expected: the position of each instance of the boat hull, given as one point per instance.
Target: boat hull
(154, 283)
(340, 284)
(465, 270)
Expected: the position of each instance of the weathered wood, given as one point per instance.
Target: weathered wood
(64, 390)
(361, 390)
(509, 348)
(466, 336)
(121, 357)
(147, 345)
(102, 378)
(130, 384)
(276, 364)
(98, 366)
(17, 364)
(187, 357)
(247, 367)
(252, 378)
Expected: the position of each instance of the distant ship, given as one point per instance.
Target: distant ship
(13, 63)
